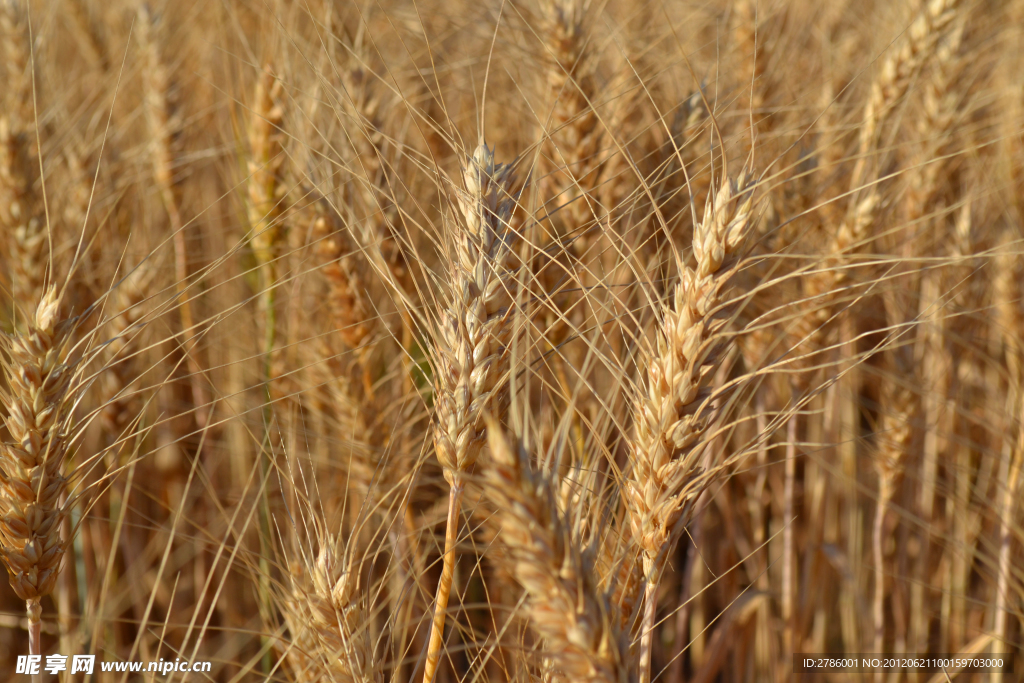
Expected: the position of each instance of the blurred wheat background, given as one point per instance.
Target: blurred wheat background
(518, 340)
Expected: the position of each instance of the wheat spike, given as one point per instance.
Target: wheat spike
(471, 345)
(119, 404)
(579, 625)
(924, 38)
(32, 481)
(327, 619)
(265, 185)
(944, 89)
(474, 331)
(161, 112)
(677, 406)
(576, 163)
(19, 204)
(353, 317)
(674, 411)
(916, 48)
(165, 124)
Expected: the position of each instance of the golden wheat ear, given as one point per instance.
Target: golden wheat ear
(326, 614)
(21, 212)
(471, 345)
(32, 481)
(579, 625)
(677, 406)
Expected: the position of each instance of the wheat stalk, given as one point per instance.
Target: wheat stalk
(896, 433)
(471, 345)
(677, 405)
(1007, 292)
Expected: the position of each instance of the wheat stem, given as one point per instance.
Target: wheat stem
(788, 543)
(878, 556)
(444, 586)
(647, 624)
(35, 611)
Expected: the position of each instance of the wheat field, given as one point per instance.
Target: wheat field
(520, 340)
